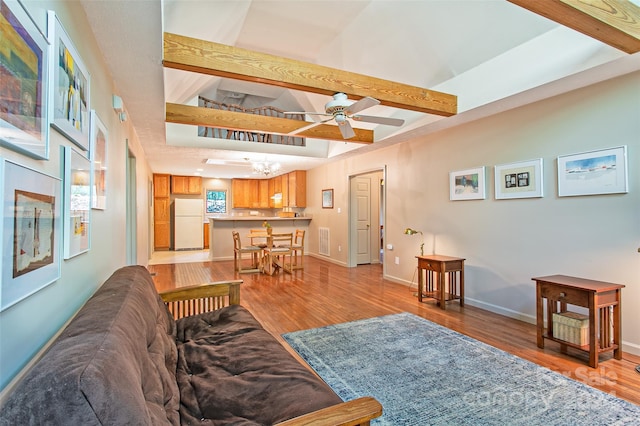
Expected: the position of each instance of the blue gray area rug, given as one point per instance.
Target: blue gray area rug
(425, 374)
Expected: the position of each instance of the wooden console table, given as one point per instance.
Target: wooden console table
(442, 265)
(602, 299)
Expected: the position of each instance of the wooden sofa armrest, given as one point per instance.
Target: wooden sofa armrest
(357, 412)
(197, 299)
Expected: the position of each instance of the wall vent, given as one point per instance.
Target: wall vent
(323, 239)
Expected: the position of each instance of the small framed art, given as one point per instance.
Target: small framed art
(327, 198)
(24, 71)
(593, 173)
(467, 184)
(69, 110)
(31, 230)
(77, 203)
(519, 180)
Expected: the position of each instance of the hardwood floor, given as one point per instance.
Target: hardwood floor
(324, 293)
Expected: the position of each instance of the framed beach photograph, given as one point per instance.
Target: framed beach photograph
(70, 88)
(31, 230)
(24, 71)
(519, 180)
(77, 203)
(593, 173)
(99, 146)
(467, 184)
(327, 198)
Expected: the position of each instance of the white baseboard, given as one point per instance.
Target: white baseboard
(531, 319)
(328, 259)
(631, 348)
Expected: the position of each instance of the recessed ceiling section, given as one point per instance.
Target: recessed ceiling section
(493, 55)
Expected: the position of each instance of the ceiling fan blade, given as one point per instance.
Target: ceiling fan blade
(346, 129)
(364, 103)
(379, 120)
(309, 126)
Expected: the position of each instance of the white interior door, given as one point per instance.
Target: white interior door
(362, 187)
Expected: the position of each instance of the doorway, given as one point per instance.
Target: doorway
(366, 217)
(132, 244)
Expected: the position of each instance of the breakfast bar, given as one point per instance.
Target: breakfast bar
(220, 228)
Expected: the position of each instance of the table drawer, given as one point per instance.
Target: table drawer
(429, 265)
(453, 266)
(563, 294)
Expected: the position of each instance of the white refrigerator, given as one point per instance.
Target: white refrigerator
(188, 220)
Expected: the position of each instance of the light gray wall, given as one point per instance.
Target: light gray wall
(28, 325)
(507, 242)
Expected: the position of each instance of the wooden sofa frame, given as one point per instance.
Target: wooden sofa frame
(192, 300)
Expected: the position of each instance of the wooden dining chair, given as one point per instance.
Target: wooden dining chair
(258, 237)
(298, 248)
(276, 252)
(238, 250)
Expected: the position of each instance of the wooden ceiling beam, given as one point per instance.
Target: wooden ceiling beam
(209, 117)
(205, 57)
(613, 22)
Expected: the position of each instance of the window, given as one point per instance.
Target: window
(216, 201)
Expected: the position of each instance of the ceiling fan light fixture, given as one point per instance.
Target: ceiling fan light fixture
(340, 118)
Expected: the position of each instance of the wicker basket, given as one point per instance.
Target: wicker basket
(571, 327)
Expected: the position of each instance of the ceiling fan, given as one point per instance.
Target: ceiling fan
(342, 110)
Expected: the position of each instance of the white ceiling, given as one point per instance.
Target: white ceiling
(492, 54)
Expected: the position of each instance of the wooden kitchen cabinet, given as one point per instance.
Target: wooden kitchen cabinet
(263, 194)
(241, 193)
(285, 190)
(275, 188)
(297, 194)
(161, 212)
(186, 185)
(205, 231)
(258, 193)
(161, 186)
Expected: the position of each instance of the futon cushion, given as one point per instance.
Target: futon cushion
(232, 371)
(113, 364)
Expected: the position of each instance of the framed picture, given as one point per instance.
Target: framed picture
(327, 198)
(70, 88)
(24, 71)
(31, 229)
(77, 203)
(593, 173)
(467, 184)
(519, 180)
(99, 145)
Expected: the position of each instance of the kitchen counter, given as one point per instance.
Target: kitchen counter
(256, 218)
(220, 228)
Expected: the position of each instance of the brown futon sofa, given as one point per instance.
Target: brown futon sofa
(125, 360)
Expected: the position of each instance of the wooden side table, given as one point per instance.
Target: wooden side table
(603, 301)
(443, 266)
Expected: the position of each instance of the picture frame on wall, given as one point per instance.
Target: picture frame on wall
(31, 231)
(77, 203)
(467, 184)
(327, 198)
(24, 66)
(593, 173)
(523, 179)
(99, 151)
(70, 88)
